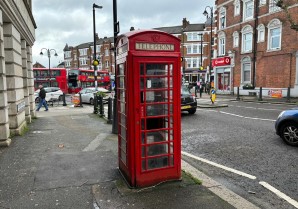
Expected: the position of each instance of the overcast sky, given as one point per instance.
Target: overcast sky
(71, 21)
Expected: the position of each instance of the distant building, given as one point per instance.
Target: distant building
(38, 65)
(263, 48)
(195, 49)
(17, 35)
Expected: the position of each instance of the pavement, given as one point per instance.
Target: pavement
(68, 159)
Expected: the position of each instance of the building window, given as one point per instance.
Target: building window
(83, 61)
(248, 9)
(195, 49)
(262, 2)
(107, 63)
(236, 8)
(273, 7)
(106, 52)
(67, 64)
(83, 52)
(188, 49)
(67, 54)
(274, 34)
(193, 37)
(261, 33)
(235, 39)
(247, 39)
(246, 70)
(222, 18)
(221, 44)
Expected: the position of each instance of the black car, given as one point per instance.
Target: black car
(188, 101)
(286, 126)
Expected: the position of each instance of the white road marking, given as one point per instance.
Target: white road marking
(264, 184)
(240, 116)
(95, 143)
(220, 166)
(279, 193)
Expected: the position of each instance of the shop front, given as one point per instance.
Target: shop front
(223, 77)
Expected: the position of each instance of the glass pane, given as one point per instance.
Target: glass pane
(157, 149)
(159, 109)
(158, 162)
(122, 95)
(156, 69)
(122, 107)
(156, 96)
(171, 148)
(121, 82)
(123, 119)
(142, 69)
(123, 132)
(158, 136)
(157, 83)
(123, 157)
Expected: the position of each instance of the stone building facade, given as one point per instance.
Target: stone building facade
(258, 37)
(17, 35)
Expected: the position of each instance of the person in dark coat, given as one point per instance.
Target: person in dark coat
(42, 99)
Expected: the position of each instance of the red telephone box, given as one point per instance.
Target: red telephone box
(149, 115)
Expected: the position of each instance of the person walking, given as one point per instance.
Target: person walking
(197, 87)
(207, 87)
(42, 98)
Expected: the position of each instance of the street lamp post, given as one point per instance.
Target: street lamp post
(49, 56)
(211, 23)
(95, 61)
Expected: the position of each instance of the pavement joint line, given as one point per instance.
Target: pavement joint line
(279, 193)
(218, 189)
(232, 170)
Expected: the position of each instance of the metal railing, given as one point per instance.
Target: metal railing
(103, 107)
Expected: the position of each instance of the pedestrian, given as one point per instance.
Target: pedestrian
(197, 88)
(207, 87)
(42, 98)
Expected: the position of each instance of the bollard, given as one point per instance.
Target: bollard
(289, 94)
(101, 113)
(64, 103)
(238, 98)
(81, 105)
(95, 104)
(260, 94)
(110, 101)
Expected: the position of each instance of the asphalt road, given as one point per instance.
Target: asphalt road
(242, 137)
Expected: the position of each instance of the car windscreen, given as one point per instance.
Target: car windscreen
(184, 90)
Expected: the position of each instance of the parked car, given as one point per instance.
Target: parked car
(87, 94)
(188, 101)
(52, 94)
(286, 126)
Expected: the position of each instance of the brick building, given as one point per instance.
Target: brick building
(81, 56)
(195, 48)
(17, 35)
(257, 35)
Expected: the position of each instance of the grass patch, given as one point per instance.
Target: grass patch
(186, 174)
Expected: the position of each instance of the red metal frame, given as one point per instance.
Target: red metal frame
(57, 78)
(149, 113)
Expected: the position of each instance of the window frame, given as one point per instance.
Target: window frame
(274, 24)
(245, 61)
(245, 9)
(221, 44)
(235, 36)
(261, 33)
(236, 7)
(222, 18)
(247, 30)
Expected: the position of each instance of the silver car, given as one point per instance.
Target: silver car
(87, 94)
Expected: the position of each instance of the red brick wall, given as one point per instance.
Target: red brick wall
(275, 69)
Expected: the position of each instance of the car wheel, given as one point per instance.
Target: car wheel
(37, 100)
(289, 133)
(91, 101)
(193, 111)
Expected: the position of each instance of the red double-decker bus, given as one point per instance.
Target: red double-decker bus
(79, 78)
(53, 77)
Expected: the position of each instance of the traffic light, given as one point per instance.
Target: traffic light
(201, 68)
(95, 62)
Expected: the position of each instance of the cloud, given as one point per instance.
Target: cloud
(71, 21)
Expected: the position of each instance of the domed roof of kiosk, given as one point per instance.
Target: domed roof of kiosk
(133, 33)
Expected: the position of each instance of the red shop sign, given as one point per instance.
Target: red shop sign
(221, 61)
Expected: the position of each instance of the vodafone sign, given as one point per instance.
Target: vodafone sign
(221, 61)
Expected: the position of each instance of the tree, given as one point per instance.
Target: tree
(284, 5)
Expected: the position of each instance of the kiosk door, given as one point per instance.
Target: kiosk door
(155, 141)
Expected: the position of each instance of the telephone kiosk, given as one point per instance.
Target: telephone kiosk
(148, 83)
